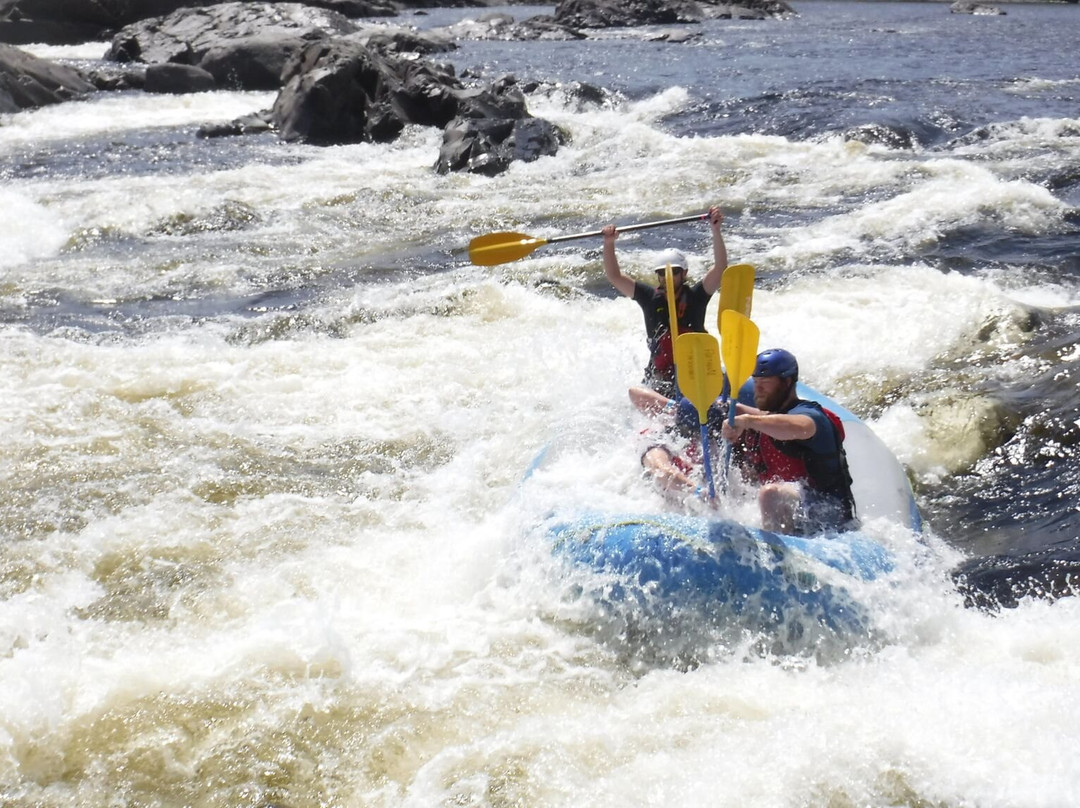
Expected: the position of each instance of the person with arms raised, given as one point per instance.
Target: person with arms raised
(691, 300)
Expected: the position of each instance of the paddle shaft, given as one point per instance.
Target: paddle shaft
(628, 228)
(500, 248)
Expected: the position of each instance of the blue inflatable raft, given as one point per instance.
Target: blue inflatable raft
(672, 565)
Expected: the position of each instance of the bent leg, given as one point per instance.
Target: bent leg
(780, 505)
(660, 463)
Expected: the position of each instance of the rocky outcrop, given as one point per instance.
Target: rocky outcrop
(621, 13)
(503, 27)
(69, 21)
(343, 92)
(966, 7)
(27, 82)
(242, 45)
(340, 83)
(625, 13)
(340, 91)
(489, 145)
(748, 10)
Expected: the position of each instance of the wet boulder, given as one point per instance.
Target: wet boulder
(493, 128)
(748, 10)
(499, 26)
(177, 79)
(489, 145)
(340, 91)
(72, 21)
(27, 82)
(980, 9)
(242, 45)
(622, 13)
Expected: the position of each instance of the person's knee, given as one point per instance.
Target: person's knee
(779, 503)
(656, 457)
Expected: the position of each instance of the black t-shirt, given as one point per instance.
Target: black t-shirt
(692, 302)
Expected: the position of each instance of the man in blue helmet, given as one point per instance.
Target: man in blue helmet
(690, 300)
(795, 450)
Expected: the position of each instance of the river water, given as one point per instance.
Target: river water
(263, 428)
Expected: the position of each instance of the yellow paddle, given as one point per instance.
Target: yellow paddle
(736, 291)
(701, 379)
(739, 337)
(736, 294)
(673, 311)
(500, 248)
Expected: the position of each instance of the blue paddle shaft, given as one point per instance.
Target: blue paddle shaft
(708, 460)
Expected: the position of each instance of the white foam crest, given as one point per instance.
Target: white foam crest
(955, 195)
(33, 234)
(106, 114)
(387, 180)
(83, 51)
(874, 322)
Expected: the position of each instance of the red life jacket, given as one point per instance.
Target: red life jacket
(786, 461)
(663, 353)
(792, 461)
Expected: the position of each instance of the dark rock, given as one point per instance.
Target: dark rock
(503, 27)
(545, 27)
(404, 40)
(178, 79)
(113, 77)
(493, 129)
(26, 32)
(253, 63)
(247, 125)
(342, 92)
(488, 146)
(616, 13)
(966, 7)
(242, 45)
(356, 8)
(748, 10)
(339, 91)
(70, 21)
(27, 81)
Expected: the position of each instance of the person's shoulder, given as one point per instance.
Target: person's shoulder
(812, 408)
(643, 293)
(698, 289)
(823, 434)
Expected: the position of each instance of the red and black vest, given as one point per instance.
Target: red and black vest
(794, 461)
(691, 302)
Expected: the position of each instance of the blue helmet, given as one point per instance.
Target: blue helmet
(777, 362)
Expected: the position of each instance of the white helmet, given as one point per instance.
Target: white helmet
(673, 257)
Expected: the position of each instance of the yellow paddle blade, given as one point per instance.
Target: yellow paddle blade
(740, 337)
(500, 248)
(736, 291)
(697, 363)
(673, 312)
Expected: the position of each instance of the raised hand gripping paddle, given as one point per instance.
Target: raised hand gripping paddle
(739, 337)
(500, 248)
(701, 379)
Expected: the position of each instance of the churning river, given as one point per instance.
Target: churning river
(262, 427)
